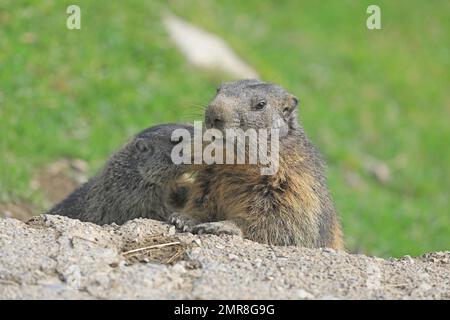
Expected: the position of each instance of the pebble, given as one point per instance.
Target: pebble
(407, 259)
(232, 256)
(179, 268)
(303, 294)
(171, 231)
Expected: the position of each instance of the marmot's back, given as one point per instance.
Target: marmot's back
(134, 183)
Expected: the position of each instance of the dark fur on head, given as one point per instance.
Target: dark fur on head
(252, 104)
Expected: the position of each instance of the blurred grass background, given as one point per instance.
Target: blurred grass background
(365, 94)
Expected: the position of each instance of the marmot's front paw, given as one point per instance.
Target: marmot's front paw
(217, 228)
(181, 221)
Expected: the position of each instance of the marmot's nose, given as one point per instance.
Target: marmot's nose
(215, 117)
(218, 123)
(214, 122)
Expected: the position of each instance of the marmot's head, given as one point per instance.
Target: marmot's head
(252, 104)
(149, 153)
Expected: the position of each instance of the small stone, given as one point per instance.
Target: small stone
(232, 256)
(407, 259)
(329, 297)
(303, 294)
(179, 268)
(49, 281)
(195, 251)
(425, 286)
(72, 276)
(79, 165)
(328, 250)
(379, 170)
(171, 231)
(257, 263)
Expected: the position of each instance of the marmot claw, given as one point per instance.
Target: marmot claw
(181, 221)
(217, 228)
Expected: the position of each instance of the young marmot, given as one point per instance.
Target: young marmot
(135, 182)
(291, 207)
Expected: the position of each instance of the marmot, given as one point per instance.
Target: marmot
(291, 207)
(136, 182)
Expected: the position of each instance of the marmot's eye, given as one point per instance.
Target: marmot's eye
(144, 146)
(260, 105)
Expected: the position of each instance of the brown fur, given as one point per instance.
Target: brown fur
(291, 207)
(283, 209)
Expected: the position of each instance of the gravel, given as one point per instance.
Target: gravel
(53, 257)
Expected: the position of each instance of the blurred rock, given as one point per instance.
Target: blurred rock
(353, 179)
(378, 169)
(206, 50)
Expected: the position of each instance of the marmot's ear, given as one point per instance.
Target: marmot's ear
(293, 100)
(142, 145)
(291, 105)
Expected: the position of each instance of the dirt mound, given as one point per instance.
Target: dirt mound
(56, 257)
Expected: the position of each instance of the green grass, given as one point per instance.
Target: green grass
(380, 94)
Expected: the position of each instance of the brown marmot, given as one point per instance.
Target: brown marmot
(136, 182)
(292, 206)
